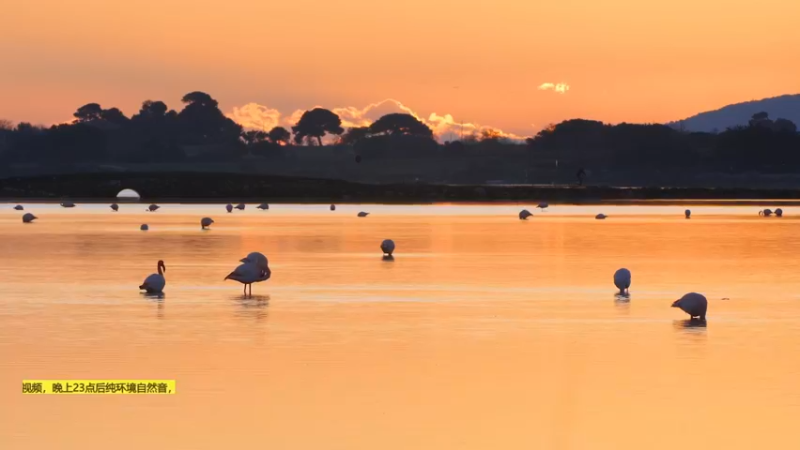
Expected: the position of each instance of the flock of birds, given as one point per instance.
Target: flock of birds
(254, 267)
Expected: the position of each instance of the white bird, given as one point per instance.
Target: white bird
(765, 213)
(206, 222)
(247, 274)
(153, 207)
(622, 280)
(387, 246)
(600, 216)
(144, 227)
(240, 206)
(263, 206)
(256, 258)
(688, 214)
(779, 212)
(524, 214)
(229, 207)
(542, 205)
(19, 208)
(115, 207)
(363, 214)
(155, 283)
(333, 207)
(28, 218)
(693, 304)
(67, 204)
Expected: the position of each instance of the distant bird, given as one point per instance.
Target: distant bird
(263, 206)
(153, 207)
(542, 206)
(155, 283)
(600, 216)
(247, 274)
(622, 280)
(67, 204)
(779, 212)
(19, 208)
(387, 247)
(766, 213)
(115, 207)
(240, 206)
(256, 258)
(688, 214)
(144, 227)
(206, 222)
(229, 207)
(363, 214)
(333, 207)
(693, 304)
(524, 214)
(28, 218)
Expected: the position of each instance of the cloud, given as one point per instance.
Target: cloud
(256, 117)
(560, 88)
(445, 127)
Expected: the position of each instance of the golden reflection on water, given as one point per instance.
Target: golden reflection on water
(484, 332)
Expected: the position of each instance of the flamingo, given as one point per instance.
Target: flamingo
(153, 207)
(688, 214)
(766, 213)
(600, 216)
(333, 207)
(144, 227)
(247, 274)
(263, 206)
(19, 208)
(387, 247)
(115, 207)
(206, 222)
(67, 204)
(28, 218)
(524, 214)
(240, 206)
(229, 207)
(622, 280)
(779, 212)
(363, 214)
(542, 205)
(154, 283)
(693, 304)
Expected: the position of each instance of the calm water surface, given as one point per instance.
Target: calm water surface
(486, 332)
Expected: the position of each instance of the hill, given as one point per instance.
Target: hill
(785, 107)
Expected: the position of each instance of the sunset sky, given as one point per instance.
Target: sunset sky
(479, 61)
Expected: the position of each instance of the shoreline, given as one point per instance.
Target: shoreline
(198, 188)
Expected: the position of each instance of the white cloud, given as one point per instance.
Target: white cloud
(560, 88)
(445, 127)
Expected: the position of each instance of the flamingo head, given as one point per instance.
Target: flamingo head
(161, 266)
(676, 304)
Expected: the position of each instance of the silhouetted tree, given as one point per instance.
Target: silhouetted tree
(400, 123)
(88, 112)
(353, 135)
(316, 123)
(151, 110)
(203, 122)
(114, 116)
(279, 135)
(254, 136)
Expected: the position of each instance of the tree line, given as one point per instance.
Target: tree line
(201, 132)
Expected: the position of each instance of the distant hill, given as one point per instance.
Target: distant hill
(785, 107)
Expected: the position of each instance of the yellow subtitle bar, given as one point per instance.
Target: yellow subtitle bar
(98, 386)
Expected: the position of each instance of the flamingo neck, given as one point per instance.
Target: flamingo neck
(160, 270)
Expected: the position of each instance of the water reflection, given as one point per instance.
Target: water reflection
(156, 297)
(388, 258)
(690, 324)
(622, 302)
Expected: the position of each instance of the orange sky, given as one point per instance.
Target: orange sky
(480, 61)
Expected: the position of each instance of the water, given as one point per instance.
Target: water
(485, 332)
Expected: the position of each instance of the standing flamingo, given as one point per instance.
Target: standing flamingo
(154, 283)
